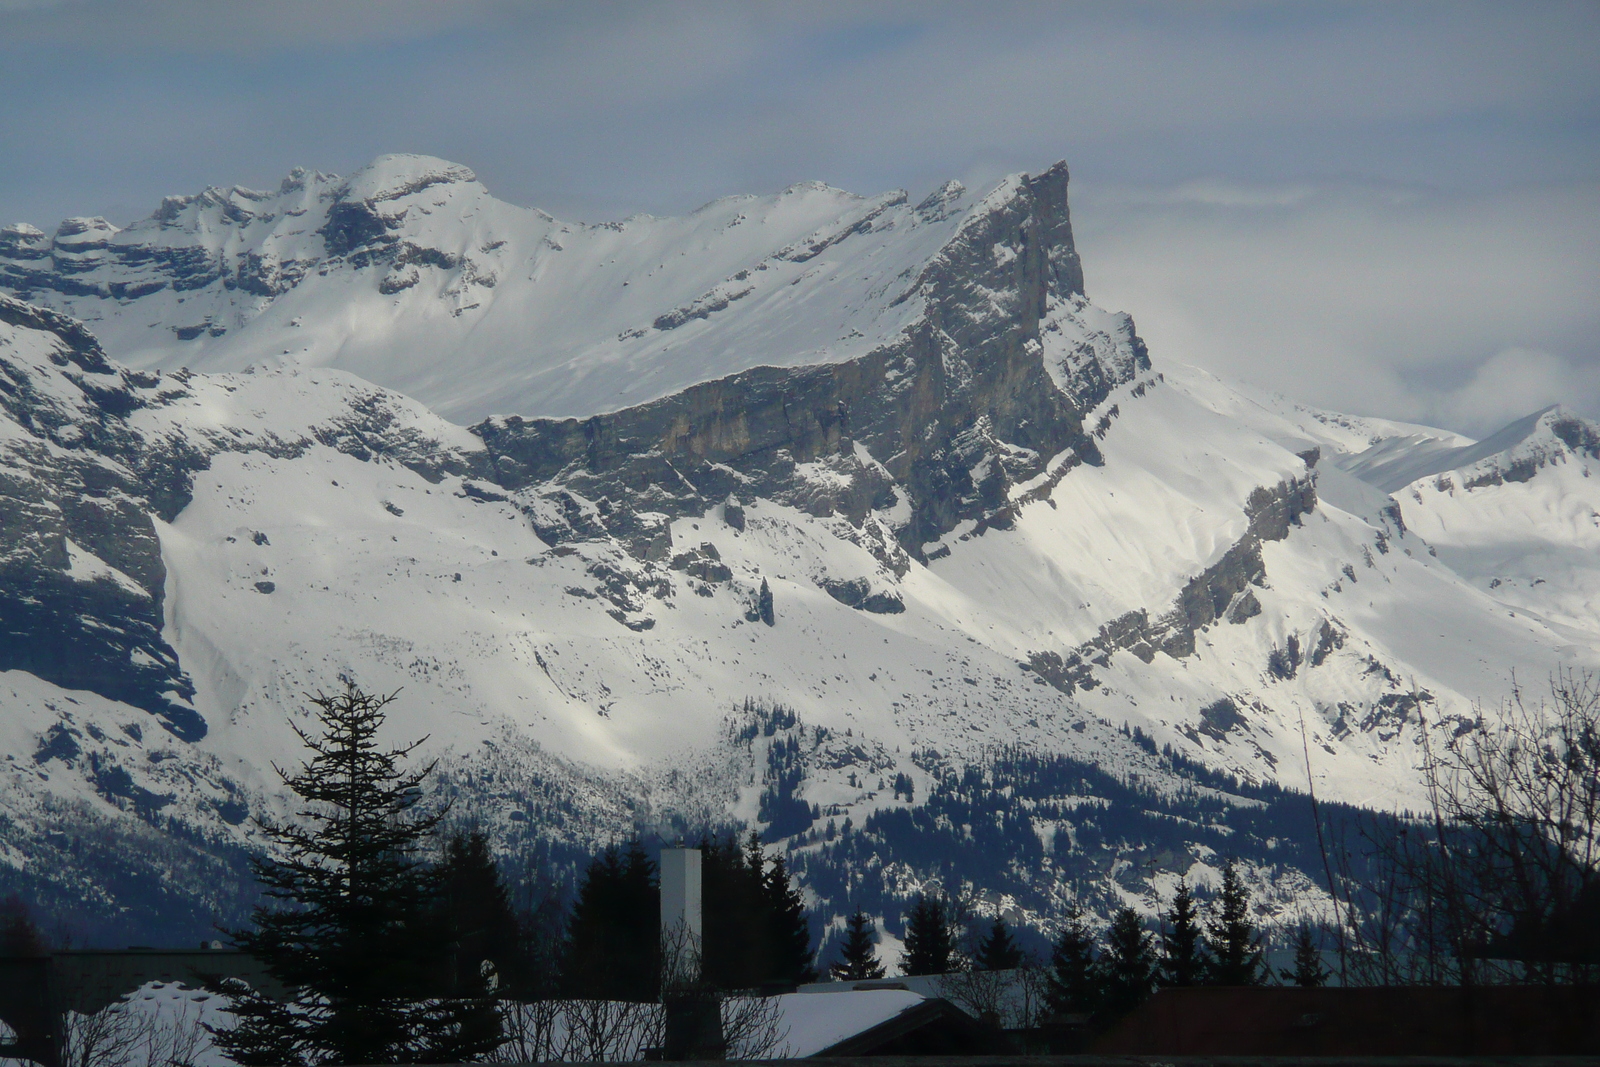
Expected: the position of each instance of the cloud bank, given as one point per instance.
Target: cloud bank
(1463, 310)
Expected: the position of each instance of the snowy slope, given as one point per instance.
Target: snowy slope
(923, 493)
(1519, 517)
(1516, 514)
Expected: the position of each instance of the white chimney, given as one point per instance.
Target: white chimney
(681, 924)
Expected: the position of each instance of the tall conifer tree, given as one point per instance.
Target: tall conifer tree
(858, 955)
(736, 948)
(612, 949)
(1126, 971)
(1070, 982)
(1184, 960)
(793, 957)
(930, 942)
(483, 944)
(998, 951)
(348, 922)
(1308, 971)
(1237, 955)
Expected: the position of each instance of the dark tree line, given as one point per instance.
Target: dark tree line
(401, 941)
(1107, 977)
(19, 934)
(755, 932)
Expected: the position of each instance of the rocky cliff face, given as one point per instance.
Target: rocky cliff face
(81, 576)
(95, 456)
(950, 416)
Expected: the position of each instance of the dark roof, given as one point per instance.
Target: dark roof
(1388, 1021)
(931, 1027)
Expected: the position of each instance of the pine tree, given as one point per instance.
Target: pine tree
(19, 934)
(612, 949)
(858, 956)
(1308, 971)
(1070, 987)
(764, 604)
(1235, 945)
(348, 922)
(999, 951)
(1126, 970)
(1184, 960)
(789, 927)
(474, 906)
(930, 937)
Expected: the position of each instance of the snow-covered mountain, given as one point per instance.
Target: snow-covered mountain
(883, 464)
(411, 275)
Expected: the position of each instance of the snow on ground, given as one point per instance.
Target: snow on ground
(285, 575)
(815, 1021)
(157, 1025)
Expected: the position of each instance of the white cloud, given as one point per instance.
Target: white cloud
(1466, 309)
(1515, 382)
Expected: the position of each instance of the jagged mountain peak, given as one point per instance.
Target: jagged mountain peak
(389, 177)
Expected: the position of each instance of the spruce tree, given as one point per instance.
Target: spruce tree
(858, 955)
(1308, 971)
(789, 928)
(1126, 970)
(612, 949)
(347, 922)
(998, 951)
(1231, 937)
(1070, 982)
(1184, 960)
(930, 941)
(19, 934)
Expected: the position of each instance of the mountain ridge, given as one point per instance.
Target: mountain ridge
(409, 244)
(997, 527)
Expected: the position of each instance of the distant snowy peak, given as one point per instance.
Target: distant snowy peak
(1514, 453)
(410, 274)
(1517, 452)
(390, 177)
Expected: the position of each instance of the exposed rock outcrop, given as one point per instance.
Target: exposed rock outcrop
(82, 583)
(1221, 591)
(952, 415)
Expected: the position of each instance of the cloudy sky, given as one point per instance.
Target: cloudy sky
(1384, 208)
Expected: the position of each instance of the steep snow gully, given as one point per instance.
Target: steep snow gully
(850, 519)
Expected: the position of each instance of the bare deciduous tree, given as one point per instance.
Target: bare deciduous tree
(126, 1035)
(1500, 880)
